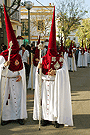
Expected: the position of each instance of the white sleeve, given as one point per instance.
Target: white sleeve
(27, 53)
(20, 52)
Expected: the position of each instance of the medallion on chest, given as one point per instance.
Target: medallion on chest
(56, 63)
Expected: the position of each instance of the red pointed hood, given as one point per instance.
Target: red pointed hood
(51, 59)
(85, 48)
(73, 45)
(52, 49)
(14, 57)
(36, 53)
(10, 33)
(70, 50)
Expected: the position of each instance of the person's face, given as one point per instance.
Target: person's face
(22, 48)
(2, 47)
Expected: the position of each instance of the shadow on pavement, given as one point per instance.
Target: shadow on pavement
(81, 121)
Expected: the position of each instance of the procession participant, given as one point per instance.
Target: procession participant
(74, 49)
(56, 95)
(82, 57)
(3, 47)
(35, 63)
(71, 59)
(62, 52)
(86, 53)
(66, 56)
(28, 47)
(88, 56)
(76, 55)
(13, 84)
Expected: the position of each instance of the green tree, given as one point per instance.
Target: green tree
(68, 42)
(69, 14)
(83, 32)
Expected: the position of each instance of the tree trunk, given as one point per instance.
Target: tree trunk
(65, 40)
(3, 28)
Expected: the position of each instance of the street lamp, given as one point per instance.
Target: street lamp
(28, 5)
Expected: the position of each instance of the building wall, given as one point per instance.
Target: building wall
(38, 15)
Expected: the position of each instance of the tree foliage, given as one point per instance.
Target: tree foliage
(83, 32)
(68, 42)
(69, 14)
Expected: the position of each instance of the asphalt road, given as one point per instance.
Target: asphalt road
(80, 92)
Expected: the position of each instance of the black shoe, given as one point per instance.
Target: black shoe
(56, 125)
(4, 122)
(21, 121)
(44, 122)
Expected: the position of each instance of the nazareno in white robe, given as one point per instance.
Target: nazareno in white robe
(82, 59)
(88, 58)
(56, 97)
(16, 108)
(29, 81)
(65, 58)
(70, 63)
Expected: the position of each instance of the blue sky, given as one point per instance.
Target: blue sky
(46, 3)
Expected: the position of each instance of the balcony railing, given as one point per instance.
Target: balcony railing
(15, 16)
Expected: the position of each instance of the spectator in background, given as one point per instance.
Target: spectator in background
(28, 48)
(3, 47)
(25, 58)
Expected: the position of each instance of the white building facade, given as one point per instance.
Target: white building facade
(40, 22)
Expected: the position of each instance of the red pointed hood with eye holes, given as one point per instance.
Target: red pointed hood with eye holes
(52, 60)
(70, 50)
(15, 59)
(36, 54)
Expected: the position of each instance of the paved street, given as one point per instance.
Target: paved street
(80, 88)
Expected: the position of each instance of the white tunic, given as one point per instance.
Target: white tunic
(65, 58)
(88, 58)
(56, 97)
(29, 81)
(82, 59)
(16, 107)
(71, 61)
